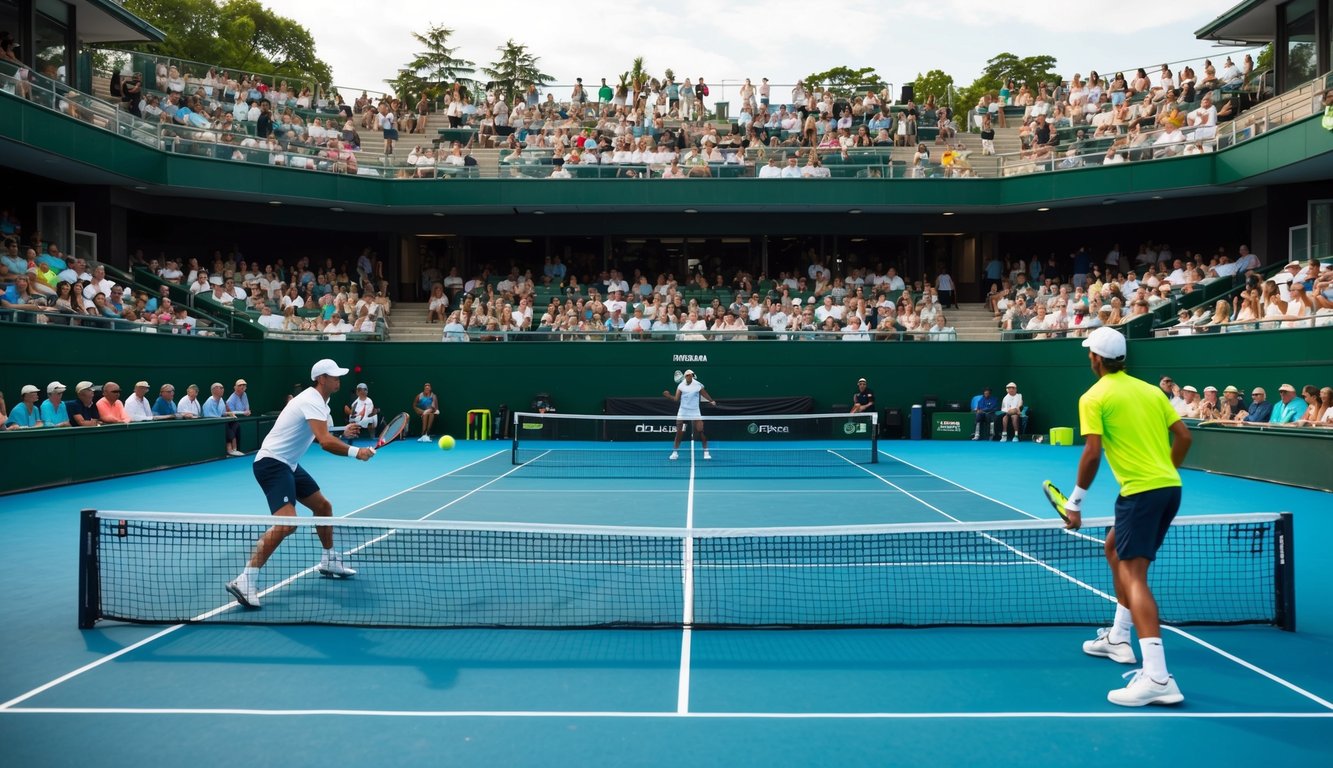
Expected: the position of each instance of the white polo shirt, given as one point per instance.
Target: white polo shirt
(291, 437)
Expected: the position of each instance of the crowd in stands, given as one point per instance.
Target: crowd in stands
(94, 405)
(37, 278)
(662, 128)
(814, 303)
(1310, 407)
(333, 299)
(1069, 297)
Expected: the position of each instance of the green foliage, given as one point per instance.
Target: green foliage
(514, 71)
(437, 67)
(844, 81)
(1264, 62)
(1033, 70)
(238, 35)
(934, 83)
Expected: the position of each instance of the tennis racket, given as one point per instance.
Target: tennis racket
(393, 429)
(1057, 499)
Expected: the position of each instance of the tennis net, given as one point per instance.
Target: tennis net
(785, 445)
(172, 567)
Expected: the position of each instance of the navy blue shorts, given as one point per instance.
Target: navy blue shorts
(1141, 521)
(282, 485)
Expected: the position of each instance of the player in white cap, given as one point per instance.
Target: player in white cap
(278, 471)
(1134, 424)
(688, 392)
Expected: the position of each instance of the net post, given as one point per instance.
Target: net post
(513, 445)
(874, 436)
(1284, 579)
(90, 593)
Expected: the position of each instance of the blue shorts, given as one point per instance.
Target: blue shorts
(1141, 521)
(282, 485)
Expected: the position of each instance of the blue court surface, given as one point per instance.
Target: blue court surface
(223, 694)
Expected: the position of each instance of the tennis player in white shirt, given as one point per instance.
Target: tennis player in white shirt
(305, 419)
(361, 412)
(688, 393)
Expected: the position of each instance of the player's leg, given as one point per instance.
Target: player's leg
(703, 437)
(1114, 642)
(278, 483)
(312, 498)
(1141, 525)
(427, 421)
(680, 435)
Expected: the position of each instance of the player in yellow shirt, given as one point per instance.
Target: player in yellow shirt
(1133, 423)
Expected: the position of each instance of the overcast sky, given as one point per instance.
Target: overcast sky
(782, 40)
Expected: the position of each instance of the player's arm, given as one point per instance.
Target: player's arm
(326, 440)
(707, 398)
(1180, 443)
(674, 397)
(1088, 464)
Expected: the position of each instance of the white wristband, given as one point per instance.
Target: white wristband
(1075, 502)
(352, 451)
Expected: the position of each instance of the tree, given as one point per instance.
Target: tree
(1032, 70)
(844, 81)
(437, 67)
(239, 35)
(933, 83)
(514, 71)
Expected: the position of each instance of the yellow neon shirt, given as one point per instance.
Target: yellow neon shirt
(1133, 418)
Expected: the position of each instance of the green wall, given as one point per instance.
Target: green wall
(1290, 455)
(1050, 374)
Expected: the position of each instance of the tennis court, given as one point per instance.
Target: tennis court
(297, 694)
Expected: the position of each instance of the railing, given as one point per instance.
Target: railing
(237, 145)
(100, 322)
(677, 335)
(1237, 326)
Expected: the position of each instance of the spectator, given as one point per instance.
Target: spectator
(1310, 395)
(27, 414)
(82, 410)
(165, 405)
(1290, 409)
(863, 399)
(54, 413)
(1209, 407)
(983, 414)
(1191, 408)
(1232, 408)
(1011, 410)
(238, 404)
(189, 407)
(110, 408)
(1260, 410)
(137, 406)
(438, 308)
(941, 330)
(427, 406)
(362, 411)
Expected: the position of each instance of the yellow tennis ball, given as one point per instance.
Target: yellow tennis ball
(446, 443)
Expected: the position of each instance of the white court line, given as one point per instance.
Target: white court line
(687, 580)
(1188, 636)
(220, 609)
(704, 492)
(1145, 713)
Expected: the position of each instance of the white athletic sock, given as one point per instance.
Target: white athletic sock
(1154, 658)
(250, 574)
(329, 554)
(1124, 621)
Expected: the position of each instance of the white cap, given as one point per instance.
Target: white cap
(55, 386)
(859, 381)
(796, 302)
(361, 386)
(143, 384)
(1011, 384)
(689, 372)
(82, 385)
(1106, 342)
(1286, 388)
(1190, 388)
(326, 367)
(28, 389)
(1210, 388)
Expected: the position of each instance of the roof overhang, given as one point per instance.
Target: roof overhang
(107, 21)
(1252, 21)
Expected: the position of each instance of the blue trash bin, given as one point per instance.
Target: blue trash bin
(918, 419)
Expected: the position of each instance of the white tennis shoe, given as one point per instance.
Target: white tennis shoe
(674, 455)
(244, 592)
(333, 566)
(1143, 690)
(1122, 653)
(707, 456)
